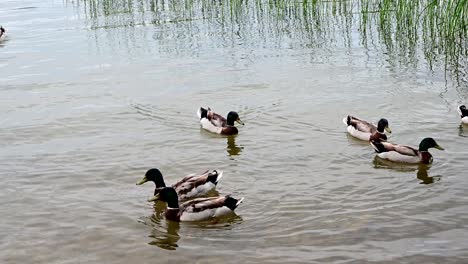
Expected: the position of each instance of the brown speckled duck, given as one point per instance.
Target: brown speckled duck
(215, 123)
(189, 187)
(406, 154)
(364, 130)
(197, 209)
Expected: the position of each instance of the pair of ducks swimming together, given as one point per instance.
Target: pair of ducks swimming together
(388, 151)
(193, 186)
(395, 152)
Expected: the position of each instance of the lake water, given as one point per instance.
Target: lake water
(94, 93)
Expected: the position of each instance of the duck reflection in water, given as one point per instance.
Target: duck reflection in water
(232, 148)
(424, 176)
(463, 130)
(421, 169)
(165, 233)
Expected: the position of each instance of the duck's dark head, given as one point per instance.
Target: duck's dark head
(383, 125)
(155, 176)
(168, 195)
(428, 143)
(2, 30)
(233, 117)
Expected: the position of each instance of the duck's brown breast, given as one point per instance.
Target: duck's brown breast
(377, 137)
(173, 214)
(229, 130)
(426, 157)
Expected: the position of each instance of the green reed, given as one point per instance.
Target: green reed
(438, 28)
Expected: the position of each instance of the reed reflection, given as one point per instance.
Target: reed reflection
(313, 24)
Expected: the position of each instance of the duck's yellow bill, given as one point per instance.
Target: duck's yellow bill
(388, 129)
(140, 182)
(239, 121)
(439, 147)
(154, 198)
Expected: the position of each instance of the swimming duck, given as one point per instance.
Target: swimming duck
(463, 113)
(215, 123)
(2, 32)
(197, 209)
(364, 130)
(189, 187)
(406, 154)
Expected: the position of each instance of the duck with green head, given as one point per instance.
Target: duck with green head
(215, 123)
(197, 209)
(364, 130)
(406, 154)
(190, 186)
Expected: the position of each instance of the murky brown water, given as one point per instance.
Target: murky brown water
(92, 96)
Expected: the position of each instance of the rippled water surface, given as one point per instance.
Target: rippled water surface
(94, 93)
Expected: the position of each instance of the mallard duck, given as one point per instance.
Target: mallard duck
(364, 130)
(190, 186)
(2, 33)
(215, 123)
(197, 209)
(463, 113)
(406, 154)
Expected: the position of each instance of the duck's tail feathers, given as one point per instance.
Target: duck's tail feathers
(461, 112)
(220, 175)
(347, 120)
(202, 113)
(378, 146)
(232, 203)
(239, 201)
(215, 176)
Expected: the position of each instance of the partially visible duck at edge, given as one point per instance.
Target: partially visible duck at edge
(197, 209)
(463, 113)
(215, 123)
(406, 154)
(364, 130)
(190, 186)
(2, 33)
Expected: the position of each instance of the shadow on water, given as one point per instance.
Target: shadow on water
(220, 223)
(420, 169)
(424, 176)
(165, 234)
(232, 148)
(462, 130)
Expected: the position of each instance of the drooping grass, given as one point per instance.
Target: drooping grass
(438, 28)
